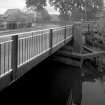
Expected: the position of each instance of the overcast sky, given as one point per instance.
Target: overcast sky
(9, 4)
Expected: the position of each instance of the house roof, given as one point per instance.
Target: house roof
(12, 11)
(17, 15)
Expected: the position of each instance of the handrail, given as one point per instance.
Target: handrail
(33, 31)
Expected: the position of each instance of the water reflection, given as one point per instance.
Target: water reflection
(66, 82)
(52, 83)
(93, 87)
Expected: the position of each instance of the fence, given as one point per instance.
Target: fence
(18, 49)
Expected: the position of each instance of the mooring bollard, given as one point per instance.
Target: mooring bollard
(77, 38)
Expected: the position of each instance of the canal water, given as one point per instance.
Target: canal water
(50, 83)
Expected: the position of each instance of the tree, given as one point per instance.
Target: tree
(87, 7)
(42, 15)
(38, 7)
(63, 6)
(35, 4)
(91, 7)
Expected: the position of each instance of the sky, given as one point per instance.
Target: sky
(10, 4)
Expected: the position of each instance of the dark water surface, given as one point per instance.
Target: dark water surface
(50, 83)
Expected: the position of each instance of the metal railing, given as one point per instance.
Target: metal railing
(20, 48)
(5, 57)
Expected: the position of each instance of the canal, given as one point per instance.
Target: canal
(50, 83)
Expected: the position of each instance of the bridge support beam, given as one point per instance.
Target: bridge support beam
(78, 41)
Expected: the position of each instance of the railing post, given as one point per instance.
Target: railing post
(51, 39)
(0, 59)
(65, 34)
(14, 56)
(88, 27)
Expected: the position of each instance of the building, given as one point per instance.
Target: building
(15, 18)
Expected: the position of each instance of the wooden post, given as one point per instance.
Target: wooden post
(77, 38)
(88, 27)
(51, 39)
(99, 63)
(14, 57)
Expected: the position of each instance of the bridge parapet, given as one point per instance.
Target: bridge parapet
(21, 51)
